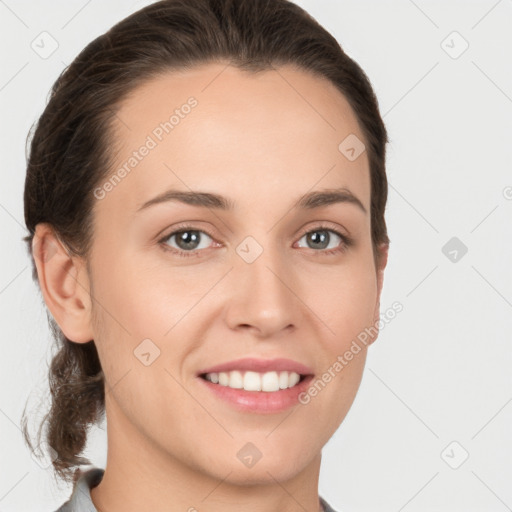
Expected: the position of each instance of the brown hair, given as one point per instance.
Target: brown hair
(71, 147)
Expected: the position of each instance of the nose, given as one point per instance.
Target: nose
(263, 299)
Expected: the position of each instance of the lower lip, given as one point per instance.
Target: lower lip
(263, 402)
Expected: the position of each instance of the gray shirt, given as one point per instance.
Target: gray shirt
(80, 500)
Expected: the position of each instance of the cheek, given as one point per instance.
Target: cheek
(344, 300)
(143, 301)
(145, 312)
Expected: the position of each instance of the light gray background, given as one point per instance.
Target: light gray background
(440, 371)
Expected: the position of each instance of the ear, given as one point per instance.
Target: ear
(382, 260)
(64, 284)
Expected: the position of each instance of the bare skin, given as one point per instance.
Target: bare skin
(258, 141)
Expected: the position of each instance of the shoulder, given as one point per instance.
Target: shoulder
(80, 499)
(326, 506)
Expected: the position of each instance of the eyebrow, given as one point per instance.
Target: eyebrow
(309, 201)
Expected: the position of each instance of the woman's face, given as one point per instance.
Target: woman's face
(244, 281)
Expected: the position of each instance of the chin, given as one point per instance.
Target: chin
(266, 470)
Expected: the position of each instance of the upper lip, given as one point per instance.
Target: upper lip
(260, 365)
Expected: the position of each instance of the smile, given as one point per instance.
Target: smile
(255, 381)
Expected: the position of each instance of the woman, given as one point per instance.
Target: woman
(205, 201)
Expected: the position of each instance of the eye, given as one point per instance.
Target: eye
(191, 242)
(188, 241)
(321, 238)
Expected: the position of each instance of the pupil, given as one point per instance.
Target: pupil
(324, 237)
(188, 239)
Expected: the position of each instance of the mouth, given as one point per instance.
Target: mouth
(257, 374)
(256, 385)
(268, 382)
(248, 391)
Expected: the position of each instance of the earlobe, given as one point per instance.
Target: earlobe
(64, 284)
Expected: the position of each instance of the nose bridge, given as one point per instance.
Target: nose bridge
(264, 299)
(263, 268)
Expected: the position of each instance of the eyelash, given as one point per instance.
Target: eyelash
(346, 241)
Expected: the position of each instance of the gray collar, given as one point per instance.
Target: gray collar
(80, 500)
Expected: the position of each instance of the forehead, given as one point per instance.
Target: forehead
(219, 128)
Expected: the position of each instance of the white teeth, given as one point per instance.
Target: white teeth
(270, 381)
(236, 380)
(254, 381)
(283, 380)
(294, 378)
